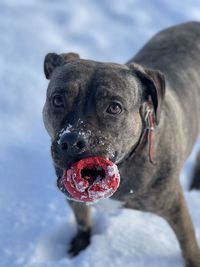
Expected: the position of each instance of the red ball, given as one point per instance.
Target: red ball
(91, 179)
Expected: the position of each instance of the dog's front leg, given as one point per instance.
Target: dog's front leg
(83, 219)
(179, 219)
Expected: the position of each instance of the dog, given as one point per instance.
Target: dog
(143, 115)
(195, 184)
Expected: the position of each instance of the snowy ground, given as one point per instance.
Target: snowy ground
(35, 223)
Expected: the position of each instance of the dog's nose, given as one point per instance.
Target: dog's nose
(72, 143)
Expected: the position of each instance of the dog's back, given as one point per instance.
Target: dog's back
(176, 52)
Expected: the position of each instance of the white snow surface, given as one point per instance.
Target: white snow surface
(36, 224)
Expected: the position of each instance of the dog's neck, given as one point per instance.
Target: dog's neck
(146, 138)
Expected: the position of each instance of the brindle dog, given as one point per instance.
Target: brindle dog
(143, 115)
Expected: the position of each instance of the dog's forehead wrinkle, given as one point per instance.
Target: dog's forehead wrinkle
(65, 86)
(70, 77)
(79, 74)
(105, 77)
(114, 85)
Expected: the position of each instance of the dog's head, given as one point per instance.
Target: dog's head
(96, 109)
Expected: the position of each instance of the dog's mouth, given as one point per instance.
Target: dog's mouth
(93, 174)
(90, 179)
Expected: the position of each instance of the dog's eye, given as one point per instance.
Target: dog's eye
(114, 108)
(58, 101)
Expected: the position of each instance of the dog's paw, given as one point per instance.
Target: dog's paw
(79, 242)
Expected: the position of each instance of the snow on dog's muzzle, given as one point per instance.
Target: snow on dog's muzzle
(91, 179)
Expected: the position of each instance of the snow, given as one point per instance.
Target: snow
(112, 170)
(64, 131)
(36, 224)
(119, 236)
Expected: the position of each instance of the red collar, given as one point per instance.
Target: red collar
(147, 135)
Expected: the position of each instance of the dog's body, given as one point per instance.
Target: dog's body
(175, 110)
(195, 184)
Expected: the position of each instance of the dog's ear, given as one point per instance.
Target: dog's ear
(154, 82)
(53, 60)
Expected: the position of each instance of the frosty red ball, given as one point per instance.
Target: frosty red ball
(91, 179)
